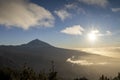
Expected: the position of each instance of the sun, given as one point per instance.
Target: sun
(92, 36)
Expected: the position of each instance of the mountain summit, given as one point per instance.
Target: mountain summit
(37, 43)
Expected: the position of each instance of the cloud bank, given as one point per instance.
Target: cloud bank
(74, 30)
(105, 51)
(24, 14)
(101, 3)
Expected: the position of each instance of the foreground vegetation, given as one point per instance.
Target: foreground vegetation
(27, 73)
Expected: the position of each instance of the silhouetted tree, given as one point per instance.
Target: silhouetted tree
(42, 76)
(5, 74)
(52, 74)
(104, 78)
(27, 74)
(117, 77)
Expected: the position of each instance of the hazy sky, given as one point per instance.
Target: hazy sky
(63, 23)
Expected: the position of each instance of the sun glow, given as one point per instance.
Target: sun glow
(92, 36)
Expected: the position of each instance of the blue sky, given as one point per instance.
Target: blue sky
(63, 23)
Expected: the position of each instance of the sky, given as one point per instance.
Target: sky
(62, 23)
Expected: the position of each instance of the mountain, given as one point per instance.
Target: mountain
(69, 63)
(36, 44)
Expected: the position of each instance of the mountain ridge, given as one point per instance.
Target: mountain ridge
(36, 43)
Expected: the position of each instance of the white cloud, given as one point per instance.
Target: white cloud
(85, 62)
(108, 33)
(115, 9)
(81, 62)
(102, 63)
(74, 30)
(97, 33)
(62, 14)
(24, 14)
(101, 3)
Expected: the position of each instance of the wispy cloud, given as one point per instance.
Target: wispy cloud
(85, 62)
(81, 62)
(62, 14)
(74, 6)
(65, 11)
(108, 33)
(101, 3)
(24, 14)
(98, 33)
(116, 9)
(73, 30)
(71, 6)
